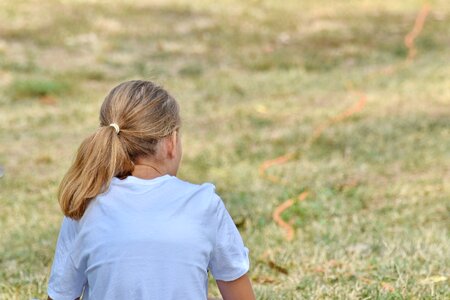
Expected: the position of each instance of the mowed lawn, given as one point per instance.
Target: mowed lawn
(255, 80)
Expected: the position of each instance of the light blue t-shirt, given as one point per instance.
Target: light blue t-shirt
(148, 239)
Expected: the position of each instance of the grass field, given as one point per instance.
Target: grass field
(254, 80)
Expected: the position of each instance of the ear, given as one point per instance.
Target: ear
(171, 144)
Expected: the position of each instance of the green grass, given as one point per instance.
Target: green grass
(35, 88)
(253, 79)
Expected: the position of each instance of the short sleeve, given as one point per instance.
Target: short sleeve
(66, 280)
(229, 258)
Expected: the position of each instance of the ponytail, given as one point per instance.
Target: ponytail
(145, 113)
(99, 158)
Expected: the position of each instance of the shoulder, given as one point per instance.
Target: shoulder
(205, 191)
(205, 187)
(70, 225)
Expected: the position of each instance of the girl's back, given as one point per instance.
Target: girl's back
(148, 239)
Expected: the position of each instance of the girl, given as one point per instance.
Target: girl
(132, 229)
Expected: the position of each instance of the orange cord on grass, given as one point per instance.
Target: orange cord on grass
(358, 106)
(288, 156)
(271, 162)
(282, 207)
(409, 40)
(417, 29)
(284, 158)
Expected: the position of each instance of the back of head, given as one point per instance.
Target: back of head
(143, 113)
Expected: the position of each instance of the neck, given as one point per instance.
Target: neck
(147, 171)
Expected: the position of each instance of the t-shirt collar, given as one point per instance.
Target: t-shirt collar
(134, 179)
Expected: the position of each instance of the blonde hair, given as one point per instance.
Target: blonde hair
(145, 113)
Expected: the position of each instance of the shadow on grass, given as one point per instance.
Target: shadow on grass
(278, 40)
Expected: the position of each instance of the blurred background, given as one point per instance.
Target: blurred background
(356, 92)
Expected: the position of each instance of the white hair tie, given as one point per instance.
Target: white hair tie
(116, 127)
